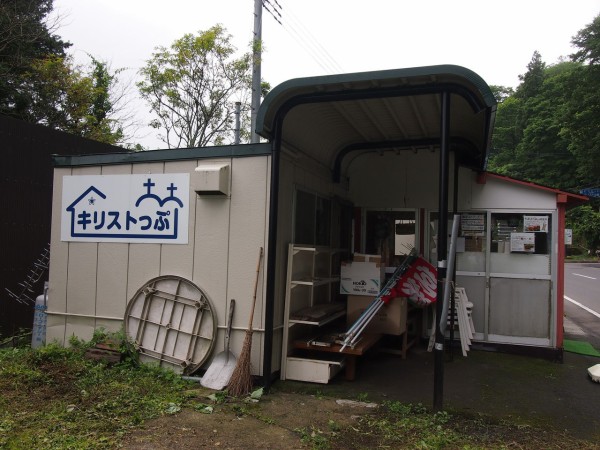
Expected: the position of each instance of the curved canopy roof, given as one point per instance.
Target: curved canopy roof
(327, 117)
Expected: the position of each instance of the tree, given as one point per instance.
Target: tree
(585, 222)
(26, 35)
(584, 107)
(587, 41)
(67, 99)
(501, 93)
(543, 155)
(192, 88)
(532, 136)
(532, 80)
(549, 131)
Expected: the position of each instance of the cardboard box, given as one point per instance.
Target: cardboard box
(361, 278)
(390, 319)
(361, 257)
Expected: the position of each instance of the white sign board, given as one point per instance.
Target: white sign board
(472, 224)
(126, 208)
(535, 224)
(522, 242)
(568, 236)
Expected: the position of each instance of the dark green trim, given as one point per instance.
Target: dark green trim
(180, 154)
(313, 85)
(459, 145)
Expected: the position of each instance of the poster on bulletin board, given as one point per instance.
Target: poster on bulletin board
(535, 224)
(472, 224)
(522, 242)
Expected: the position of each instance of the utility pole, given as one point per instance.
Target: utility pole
(256, 57)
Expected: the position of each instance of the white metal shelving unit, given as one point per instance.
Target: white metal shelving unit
(312, 277)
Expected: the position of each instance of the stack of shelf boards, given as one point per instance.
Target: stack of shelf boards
(318, 315)
(463, 321)
(310, 288)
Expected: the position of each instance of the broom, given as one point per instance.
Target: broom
(241, 379)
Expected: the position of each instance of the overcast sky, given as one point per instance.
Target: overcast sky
(495, 39)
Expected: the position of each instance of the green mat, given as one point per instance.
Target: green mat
(583, 348)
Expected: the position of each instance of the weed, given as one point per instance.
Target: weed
(362, 397)
(313, 437)
(93, 404)
(203, 408)
(240, 410)
(265, 419)
(218, 397)
(333, 426)
(319, 394)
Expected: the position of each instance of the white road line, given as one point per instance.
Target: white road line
(584, 276)
(583, 307)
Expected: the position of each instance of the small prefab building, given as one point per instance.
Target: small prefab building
(160, 242)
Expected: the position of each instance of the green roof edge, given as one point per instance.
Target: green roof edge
(448, 69)
(163, 155)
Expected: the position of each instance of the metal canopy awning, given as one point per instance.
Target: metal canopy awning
(446, 107)
(329, 116)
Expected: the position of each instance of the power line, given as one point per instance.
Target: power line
(302, 35)
(275, 13)
(315, 41)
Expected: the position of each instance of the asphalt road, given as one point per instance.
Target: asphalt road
(582, 302)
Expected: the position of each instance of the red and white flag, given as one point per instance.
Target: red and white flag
(419, 283)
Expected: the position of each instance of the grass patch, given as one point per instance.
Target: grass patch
(53, 398)
(407, 426)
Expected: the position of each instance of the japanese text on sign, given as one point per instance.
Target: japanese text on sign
(126, 208)
(419, 283)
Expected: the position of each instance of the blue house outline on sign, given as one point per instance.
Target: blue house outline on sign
(161, 202)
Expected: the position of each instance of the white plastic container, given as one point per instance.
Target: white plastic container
(38, 333)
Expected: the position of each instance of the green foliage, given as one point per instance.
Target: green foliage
(67, 99)
(501, 93)
(548, 132)
(98, 403)
(585, 222)
(411, 426)
(363, 397)
(587, 41)
(40, 84)
(192, 88)
(532, 80)
(26, 35)
(218, 397)
(314, 437)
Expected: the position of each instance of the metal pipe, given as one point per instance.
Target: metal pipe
(360, 324)
(453, 272)
(90, 316)
(442, 245)
(272, 249)
(448, 281)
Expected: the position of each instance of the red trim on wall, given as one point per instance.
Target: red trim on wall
(560, 276)
(563, 196)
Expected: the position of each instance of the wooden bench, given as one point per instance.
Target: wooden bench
(366, 342)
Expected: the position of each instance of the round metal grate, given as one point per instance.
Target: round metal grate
(172, 322)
